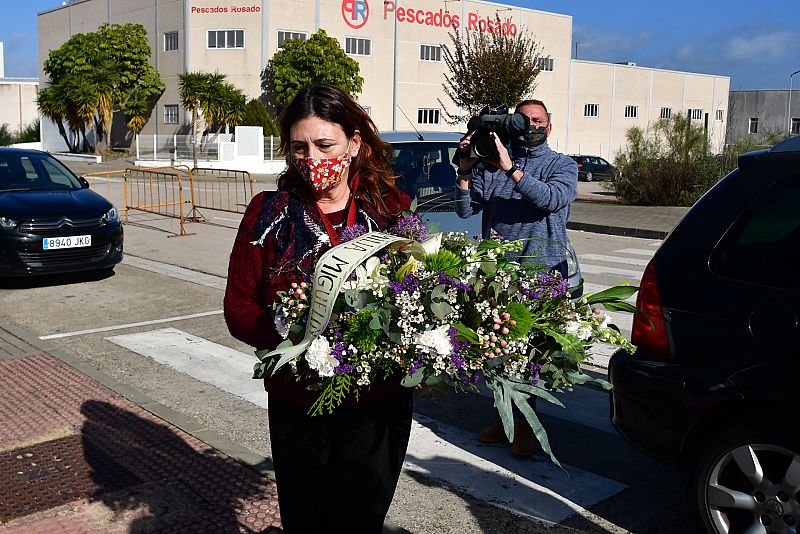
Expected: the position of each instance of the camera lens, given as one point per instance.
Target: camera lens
(483, 146)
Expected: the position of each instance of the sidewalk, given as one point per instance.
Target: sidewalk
(76, 456)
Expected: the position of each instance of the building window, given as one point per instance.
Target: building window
(795, 126)
(428, 116)
(666, 113)
(696, 114)
(225, 38)
(546, 63)
(720, 114)
(631, 112)
(753, 128)
(430, 52)
(283, 35)
(170, 41)
(356, 46)
(171, 114)
(590, 110)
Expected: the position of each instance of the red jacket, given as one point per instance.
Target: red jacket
(257, 271)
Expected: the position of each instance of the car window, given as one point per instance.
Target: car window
(426, 169)
(57, 174)
(763, 246)
(601, 161)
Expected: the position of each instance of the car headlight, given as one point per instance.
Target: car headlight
(111, 216)
(7, 223)
(572, 262)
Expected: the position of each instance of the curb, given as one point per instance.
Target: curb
(617, 230)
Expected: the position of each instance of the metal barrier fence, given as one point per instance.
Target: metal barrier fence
(161, 190)
(221, 190)
(156, 191)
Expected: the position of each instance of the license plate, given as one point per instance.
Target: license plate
(73, 241)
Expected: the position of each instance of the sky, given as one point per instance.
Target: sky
(756, 43)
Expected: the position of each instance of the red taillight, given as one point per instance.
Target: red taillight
(580, 166)
(650, 338)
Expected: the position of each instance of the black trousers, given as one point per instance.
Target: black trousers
(338, 473)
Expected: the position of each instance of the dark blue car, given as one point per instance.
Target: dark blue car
(50, 222)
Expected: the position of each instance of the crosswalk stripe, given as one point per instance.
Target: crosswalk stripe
(601, 269)
(638, 251)
(531, 487)
(613, 259)
(212, 363)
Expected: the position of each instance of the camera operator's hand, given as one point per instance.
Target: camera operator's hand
(503, 160)
(465, 162)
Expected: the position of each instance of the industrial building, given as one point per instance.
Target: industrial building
(398, 45)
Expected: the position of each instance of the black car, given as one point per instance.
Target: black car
(593, 168)
(50, 222)
(713, 385)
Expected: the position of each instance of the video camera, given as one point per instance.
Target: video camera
(506, 125)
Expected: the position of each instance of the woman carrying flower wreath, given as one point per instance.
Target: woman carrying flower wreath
(338, 178)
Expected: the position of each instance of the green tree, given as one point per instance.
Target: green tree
(221, 103)
(489, 68)
(301, 62)
(52, 103)
(255, 114)
(114, 61)
(670, 164)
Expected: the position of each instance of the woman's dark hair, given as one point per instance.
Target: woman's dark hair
(373, 165)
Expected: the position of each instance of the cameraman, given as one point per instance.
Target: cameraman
(523, 195)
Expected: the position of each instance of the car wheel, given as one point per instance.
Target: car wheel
(748, 481)
(588, 177)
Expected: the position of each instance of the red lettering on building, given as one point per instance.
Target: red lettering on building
(224, 9)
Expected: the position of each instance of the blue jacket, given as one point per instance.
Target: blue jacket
(536, 208)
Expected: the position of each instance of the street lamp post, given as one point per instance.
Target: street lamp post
(789, 105)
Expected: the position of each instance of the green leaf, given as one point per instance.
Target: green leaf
(619, 292)
(569, 343)
(441, 310)
(521, 402)
(466, 333)
(502, 402)
(412, 381)
(583, 378)
(522, 315)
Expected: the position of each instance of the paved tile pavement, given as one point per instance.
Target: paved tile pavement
(77, 457)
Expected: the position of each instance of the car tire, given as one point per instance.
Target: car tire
(740, 483)
(588, 177)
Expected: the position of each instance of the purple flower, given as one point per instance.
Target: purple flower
(447, 280)
(408, 285)
(535, 368)
(339, 351)
(351, 232)
(411, 227)
(458, 346)
(547, 286)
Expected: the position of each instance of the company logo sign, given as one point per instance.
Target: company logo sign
(355, 13)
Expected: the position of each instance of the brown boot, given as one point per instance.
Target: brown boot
(525, 442)
(494, 433)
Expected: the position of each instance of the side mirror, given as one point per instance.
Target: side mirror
(84, 182)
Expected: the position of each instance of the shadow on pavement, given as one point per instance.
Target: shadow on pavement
(182, 483)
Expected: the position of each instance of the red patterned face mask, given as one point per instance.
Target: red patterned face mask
(323, 173)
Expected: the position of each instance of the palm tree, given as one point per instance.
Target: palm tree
(84, 96)
(192, 88)
(52, 103)
(105, 78)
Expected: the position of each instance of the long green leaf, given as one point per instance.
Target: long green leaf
(521, 401)
(583, 378)
(618, 292)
